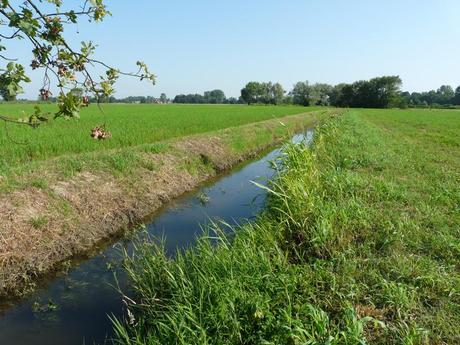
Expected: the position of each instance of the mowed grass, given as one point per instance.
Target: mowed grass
(360, 243)
(130, 125)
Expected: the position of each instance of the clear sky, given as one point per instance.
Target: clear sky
(200, 45)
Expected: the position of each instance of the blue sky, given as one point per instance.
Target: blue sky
(200, 45)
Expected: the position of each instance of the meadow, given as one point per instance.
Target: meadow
(359, 243)
(130, 125)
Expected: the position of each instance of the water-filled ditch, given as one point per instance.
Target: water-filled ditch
(73, 307)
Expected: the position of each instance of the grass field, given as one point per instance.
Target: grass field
(360, 243)
(130, 125)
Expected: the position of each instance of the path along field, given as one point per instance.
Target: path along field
(130, 125)
(360, 243)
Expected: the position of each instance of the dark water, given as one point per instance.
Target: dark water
(73, 308)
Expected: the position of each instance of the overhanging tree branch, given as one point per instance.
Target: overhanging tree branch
(51, 52)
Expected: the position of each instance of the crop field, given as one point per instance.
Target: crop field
(130, 125)
(360, 243)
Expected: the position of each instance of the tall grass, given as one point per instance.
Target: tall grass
(359, 244)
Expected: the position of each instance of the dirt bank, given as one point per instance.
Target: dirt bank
(44, 224)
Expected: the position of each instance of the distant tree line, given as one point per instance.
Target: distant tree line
(266, 93)
(444, 97)
(137, 99)
(210, 97)
(163, 99)
(380, 92)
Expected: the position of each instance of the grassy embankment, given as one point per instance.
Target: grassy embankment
(360, 243)
(58, 203)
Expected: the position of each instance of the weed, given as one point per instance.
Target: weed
(39, 222)
(203, 198)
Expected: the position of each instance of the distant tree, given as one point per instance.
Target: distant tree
(252, 92)
(179, 99)
(232, 100)
(214, 97)
(316, 94)
(275, 92)
(430, 97)
(445, 95)
(301, 93)
(151, 99)
(348, 96)
(335, 95)
(320, 94)
(406, 99)
(288, 99)
(163, 98)
(456, 99)
(189, 99)
(415, 99)
(365, 94)
(266, 93)
(387, 91)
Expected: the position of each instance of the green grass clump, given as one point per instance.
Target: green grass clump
(360, 243)
(39, 222)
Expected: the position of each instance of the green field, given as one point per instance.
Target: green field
(130, 125)
(360, 243)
